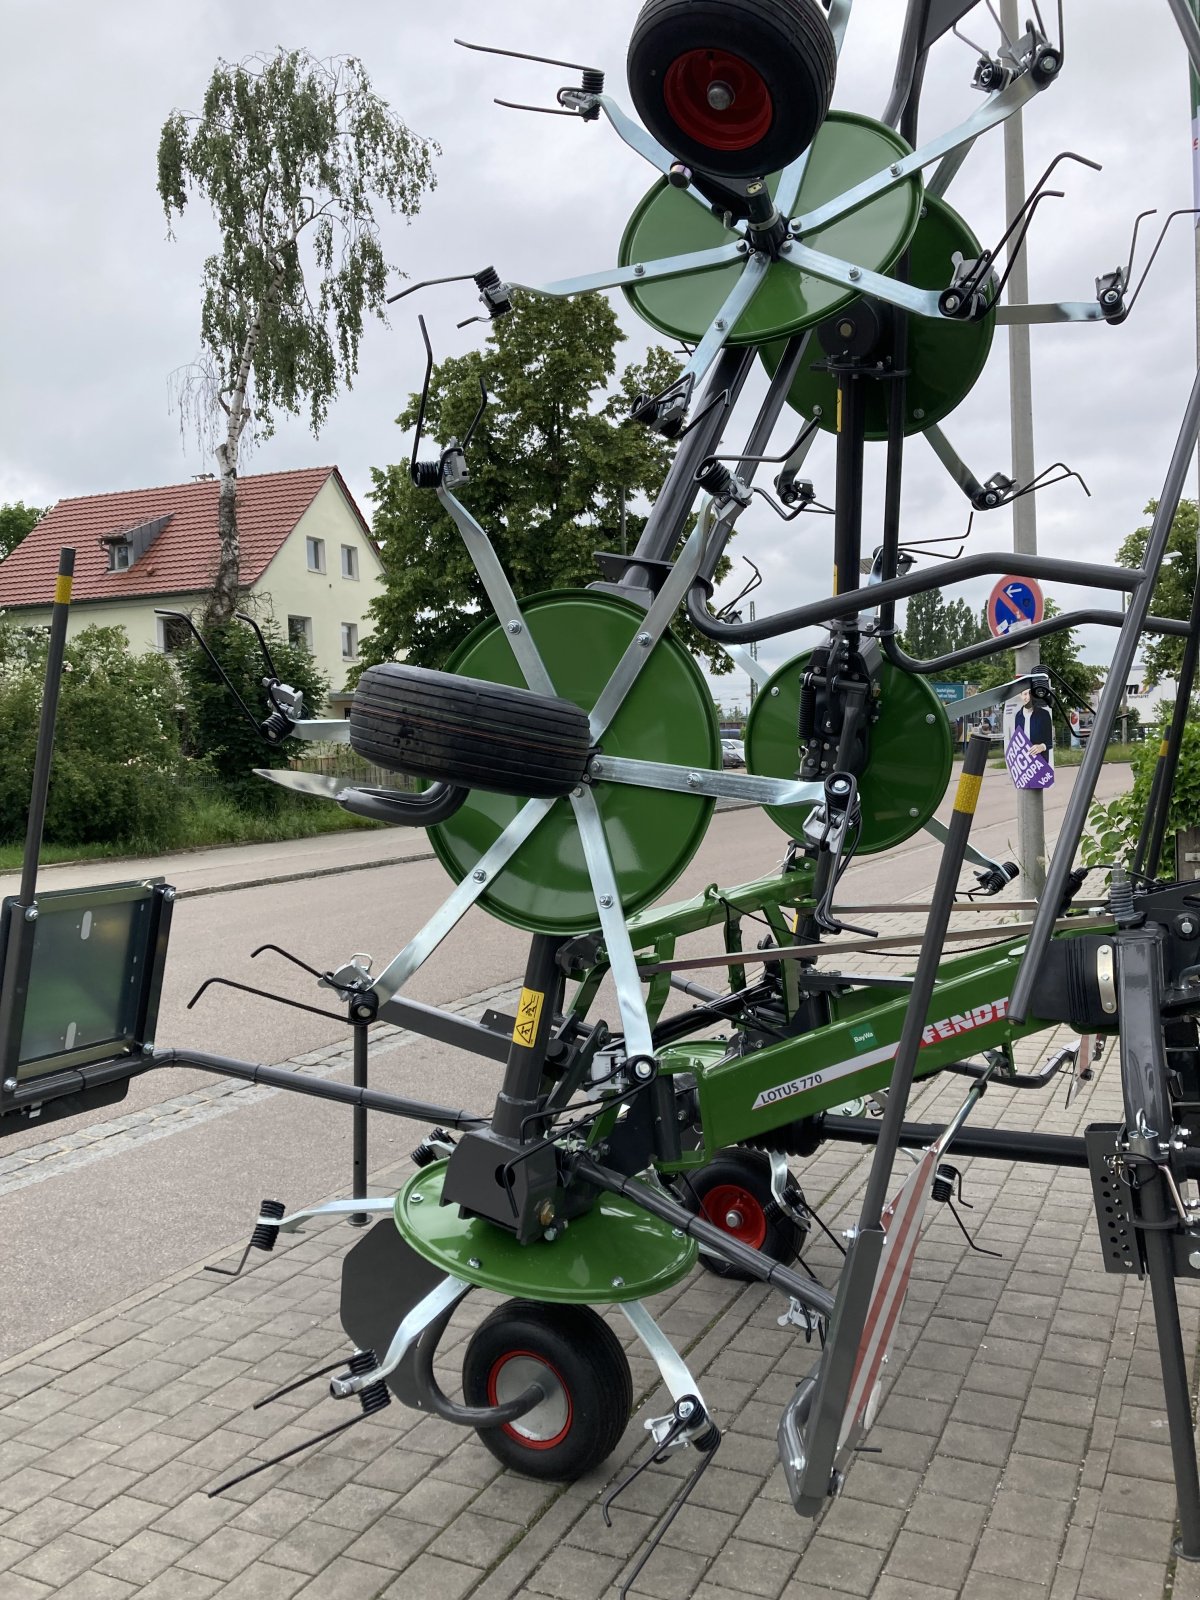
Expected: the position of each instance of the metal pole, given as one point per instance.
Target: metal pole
(20, 919)
(924, 979)
(1106, 711)
(1149, 1136)
(1031, 817)
(359, 1219)
(45, 742)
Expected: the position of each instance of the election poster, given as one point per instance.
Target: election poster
(1028, 743)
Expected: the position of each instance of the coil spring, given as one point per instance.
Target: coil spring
(376, 1396)
(713, 477)
(426, 474)
(1120, 898)
(265, 1233)
(426, 1151)
(943, 1182)
(806, 720)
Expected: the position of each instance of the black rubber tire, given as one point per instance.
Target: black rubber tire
(787, 42)
(748, 1171)
(468, 732)
(584, 1355)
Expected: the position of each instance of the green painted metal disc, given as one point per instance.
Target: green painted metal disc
(615, 1252)
(652, 835)
(910, 753)
(945, 358)
(667, 222)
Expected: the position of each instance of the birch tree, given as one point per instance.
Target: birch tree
(292, 155)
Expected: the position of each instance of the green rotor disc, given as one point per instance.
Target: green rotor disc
(668, 715)
(614, 1252)
(910, 752)
(667, 222)
(944, 359)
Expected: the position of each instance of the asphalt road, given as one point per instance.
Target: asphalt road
(89, 1220)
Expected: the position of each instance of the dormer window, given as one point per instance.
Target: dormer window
(128, 545)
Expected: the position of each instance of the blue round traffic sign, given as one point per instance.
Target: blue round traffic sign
(1015, 603)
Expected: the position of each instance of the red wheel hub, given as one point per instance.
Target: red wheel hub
(718, 99)
(514, 1380)
(735, 1211)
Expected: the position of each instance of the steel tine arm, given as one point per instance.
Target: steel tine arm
(635, 136)
(707, 781)
(722, 255)
(458, 903)
(1050, 311)
(832, 269)
(750, 281)
(995, 109)
(618, 947)
(499, 591)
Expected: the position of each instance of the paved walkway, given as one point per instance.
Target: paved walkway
(1023, 1448)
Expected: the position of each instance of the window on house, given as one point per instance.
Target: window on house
(349, 561)
(349, 641)
(316, 554)
(173, 634)
(300, 631)
(119, 557)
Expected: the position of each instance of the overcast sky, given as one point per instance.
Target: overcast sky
(101, 307)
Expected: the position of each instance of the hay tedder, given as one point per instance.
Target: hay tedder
(572, 763)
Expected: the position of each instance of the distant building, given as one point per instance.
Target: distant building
(307, 560)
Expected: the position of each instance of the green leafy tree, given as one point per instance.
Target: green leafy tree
(1113, 825)
(215, 731)
(933, 627)
(1074, 681)
(552, 465)
(117, 758)
(1173, 591)
(16, 520)
(291, 153)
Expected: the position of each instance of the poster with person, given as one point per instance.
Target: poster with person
(1028, 743)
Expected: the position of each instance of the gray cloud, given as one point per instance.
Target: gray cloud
(102, 307)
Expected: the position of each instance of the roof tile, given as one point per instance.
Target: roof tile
(182, 559)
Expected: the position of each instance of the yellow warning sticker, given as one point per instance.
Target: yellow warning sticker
(967, 797)
(839, 409)
(529, 1013)
(1164, 747)
(62, 591)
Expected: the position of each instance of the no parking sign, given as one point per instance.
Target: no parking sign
(1014, 603)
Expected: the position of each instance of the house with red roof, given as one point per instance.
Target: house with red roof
(307, 560)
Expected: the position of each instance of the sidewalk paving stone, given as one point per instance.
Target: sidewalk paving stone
(1024, 1455)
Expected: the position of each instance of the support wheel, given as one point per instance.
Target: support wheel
(469, 732)
(737, 88)
(733, 1192)
(579, 1362)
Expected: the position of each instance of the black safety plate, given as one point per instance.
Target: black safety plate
(383, 1277)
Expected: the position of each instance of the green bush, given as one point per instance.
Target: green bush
(1113, 825)
(215, 730)
(117, 757)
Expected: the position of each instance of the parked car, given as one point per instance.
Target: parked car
(733, 753)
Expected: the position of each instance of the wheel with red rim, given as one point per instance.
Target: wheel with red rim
(737, 88)
(587, 1391)
(734, 1193)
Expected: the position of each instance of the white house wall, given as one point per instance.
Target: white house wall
(288, 589)
(134, 615)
